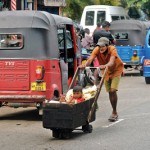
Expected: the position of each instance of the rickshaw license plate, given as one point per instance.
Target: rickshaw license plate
(135, 58)
(38, 86)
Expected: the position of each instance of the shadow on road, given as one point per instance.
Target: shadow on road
(132, 72)
(24, 114)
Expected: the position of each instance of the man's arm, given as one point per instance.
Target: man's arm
(111, 61)
(88, 62)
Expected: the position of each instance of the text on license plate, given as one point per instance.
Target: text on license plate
(38, 86)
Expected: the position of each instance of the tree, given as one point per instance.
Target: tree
(136, 7)
(146, 8)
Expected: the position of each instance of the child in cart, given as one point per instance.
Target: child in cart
(77, 96)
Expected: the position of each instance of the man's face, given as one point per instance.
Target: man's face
(107, 28)
(103, 49)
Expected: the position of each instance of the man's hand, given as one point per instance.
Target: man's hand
(102, 66)
(82, 66)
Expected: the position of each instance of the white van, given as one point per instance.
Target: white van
(99, 13)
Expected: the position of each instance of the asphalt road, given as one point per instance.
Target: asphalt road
(21, 129)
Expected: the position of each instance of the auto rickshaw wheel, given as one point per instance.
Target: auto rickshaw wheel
(147, 80)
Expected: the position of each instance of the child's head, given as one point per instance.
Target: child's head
(77, 91)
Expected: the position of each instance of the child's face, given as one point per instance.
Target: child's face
(77, 94)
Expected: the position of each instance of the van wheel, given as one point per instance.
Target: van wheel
(147, 80)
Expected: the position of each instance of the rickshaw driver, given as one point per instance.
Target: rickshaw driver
(108, 58)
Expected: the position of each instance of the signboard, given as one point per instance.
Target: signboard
(56, 3)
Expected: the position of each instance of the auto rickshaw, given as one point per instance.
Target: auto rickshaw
(38, 57)
(130, 39)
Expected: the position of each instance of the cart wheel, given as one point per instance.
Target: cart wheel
(55, 133)
(87, 128)
(66, 134)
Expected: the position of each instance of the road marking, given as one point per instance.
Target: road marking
(119, 120)
(136, 115)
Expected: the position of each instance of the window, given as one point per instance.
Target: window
(11, 41)
(89, 19)
(122, 17)
(101, 16)
(61, 39)
(115, 18)
(121, 36)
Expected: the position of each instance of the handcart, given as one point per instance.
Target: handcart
(62, 119)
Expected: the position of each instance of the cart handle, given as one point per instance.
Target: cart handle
(74, 77)
(76, 73)
(97, 95)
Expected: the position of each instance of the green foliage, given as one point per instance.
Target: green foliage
(146, 8)
(74, 8)
(139, 4)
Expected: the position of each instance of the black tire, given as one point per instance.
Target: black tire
(61, 133)
(147, 80)
(66, 134)
(141, 72)
(87, 128)
(55, 133)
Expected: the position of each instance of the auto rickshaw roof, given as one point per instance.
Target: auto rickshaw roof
(39, 30)
(129, 25)
(31, 19)
(134, 29)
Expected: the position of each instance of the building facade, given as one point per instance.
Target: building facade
(52, 6)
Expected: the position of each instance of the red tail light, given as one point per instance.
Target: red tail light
(39, 72)
(135, 53)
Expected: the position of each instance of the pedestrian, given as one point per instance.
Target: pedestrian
(98, 27)
(104, 32)
(87, 41)
(108, 58)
